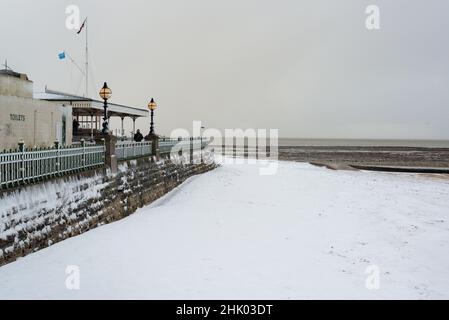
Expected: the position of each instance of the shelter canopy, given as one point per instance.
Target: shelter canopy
(83, 106)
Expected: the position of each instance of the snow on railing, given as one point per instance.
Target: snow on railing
(128, 150)
(26, 165)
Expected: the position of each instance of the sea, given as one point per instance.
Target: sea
(291, 142)
(300, 142)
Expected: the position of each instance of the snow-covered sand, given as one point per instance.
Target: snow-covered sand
(305, 232)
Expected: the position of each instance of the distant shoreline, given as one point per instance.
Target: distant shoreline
(422, 157)
(362, 152)
(360, 143)
(365, 148)
(293, 142)
(388, 156)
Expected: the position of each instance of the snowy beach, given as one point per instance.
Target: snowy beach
(304, 233)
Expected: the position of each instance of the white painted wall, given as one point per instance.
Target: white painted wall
(36, 122)
(14, 86)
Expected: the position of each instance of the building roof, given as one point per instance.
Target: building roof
(12, 73)
(87, 106)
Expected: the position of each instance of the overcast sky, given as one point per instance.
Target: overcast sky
(307, 67)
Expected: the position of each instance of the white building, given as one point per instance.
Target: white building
(46, 117)
(37, 123)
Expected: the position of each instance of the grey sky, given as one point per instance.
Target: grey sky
(307, 67)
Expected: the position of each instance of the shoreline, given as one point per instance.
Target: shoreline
(425, 159)
(417, 157)
(398, 143)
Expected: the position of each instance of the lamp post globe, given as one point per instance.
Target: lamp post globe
(105, 94)
(152, 106)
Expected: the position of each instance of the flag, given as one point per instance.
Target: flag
(61, 55)
(82, 26)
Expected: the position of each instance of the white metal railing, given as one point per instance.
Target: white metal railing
(27, 165)
(166, 145)
(127, 150)
(80, 143)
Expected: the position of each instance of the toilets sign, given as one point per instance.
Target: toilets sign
(17, 117)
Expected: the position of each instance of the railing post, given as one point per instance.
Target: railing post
(109, 142)
(154, 139)
(22, 159)
(191, 150)
(257, 148)
(83, 159)
(201, 148)
(58, 157)
(180, 150)
(103, 142)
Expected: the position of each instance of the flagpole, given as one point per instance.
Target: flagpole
(87, 65)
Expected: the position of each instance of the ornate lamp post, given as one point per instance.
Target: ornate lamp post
(152, 106)
(152, 136)
(108, 140)
(105, 94)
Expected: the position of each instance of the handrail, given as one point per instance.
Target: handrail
(26, 165)
(128, 149)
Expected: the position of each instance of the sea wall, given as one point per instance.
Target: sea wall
(38, 216)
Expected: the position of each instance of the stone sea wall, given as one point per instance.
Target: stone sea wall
(38, 216)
